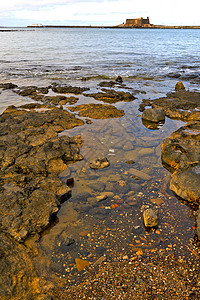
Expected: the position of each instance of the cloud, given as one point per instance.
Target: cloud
(78, 10)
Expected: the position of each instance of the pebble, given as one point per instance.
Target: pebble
(81, 264)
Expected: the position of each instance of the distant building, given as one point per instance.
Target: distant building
(140, 22)
(36, 25)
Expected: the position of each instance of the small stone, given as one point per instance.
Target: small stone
(81, 264)
(179, 86)
(150, 217)
(130, 162)
(140, 174)
(99, 163)
(70, 181)
(122, 183)
(88, 121)
(84, 233)
(157, 201)
(119, 79)
(100, 260)
(140, 252)
(125, 257)
(101, 197)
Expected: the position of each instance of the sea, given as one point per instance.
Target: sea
(72, 53)
(150, 62)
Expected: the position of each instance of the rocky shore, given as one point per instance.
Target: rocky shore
(35, 149)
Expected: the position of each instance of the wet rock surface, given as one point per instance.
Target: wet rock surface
(182, 149)
(98, 111)
(112, 96)
(31, 157)
(154, 114)
(150, 217)
(186, 184)
(181, 152)
(181, 104)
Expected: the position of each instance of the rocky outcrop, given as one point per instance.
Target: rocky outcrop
(112, 96)
(97, 111)
(68, 89)
(182, 149)
(186, 184)
(181, 155)
(181, 104)
(31, 157)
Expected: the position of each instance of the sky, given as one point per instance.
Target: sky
(98, 12)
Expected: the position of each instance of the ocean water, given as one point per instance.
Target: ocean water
(77, 52)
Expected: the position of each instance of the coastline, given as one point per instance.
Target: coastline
(117, 27)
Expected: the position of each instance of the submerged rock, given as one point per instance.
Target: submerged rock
(81, 264)
(99, 163)
(150, 217)
(8, 86)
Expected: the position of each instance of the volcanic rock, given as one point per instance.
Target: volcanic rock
(186, 184)
(97, 111)
(182, 149)
(154, 114)
(99, 163)
(179, 86)
(150, 217)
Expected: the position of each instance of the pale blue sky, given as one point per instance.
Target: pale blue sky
(99, 12)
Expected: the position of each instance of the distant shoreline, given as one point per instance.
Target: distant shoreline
(116, 27)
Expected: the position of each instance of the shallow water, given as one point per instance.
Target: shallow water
(114, 227)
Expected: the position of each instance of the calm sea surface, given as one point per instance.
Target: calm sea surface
(150, 62)
(74, 53)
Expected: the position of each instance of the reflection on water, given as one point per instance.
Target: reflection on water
(152, 125)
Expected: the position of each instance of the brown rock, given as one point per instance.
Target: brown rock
(154, 114)
(179, 86)
(98, 111)
(99, 163)
(81, 264)
(150, 217)
(186, 184)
